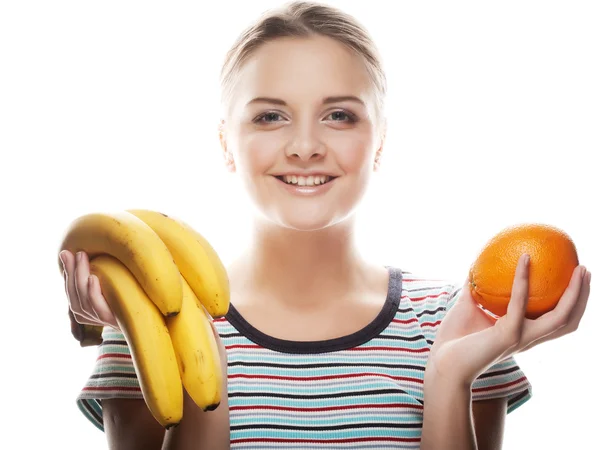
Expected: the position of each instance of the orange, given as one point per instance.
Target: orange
(552, 259)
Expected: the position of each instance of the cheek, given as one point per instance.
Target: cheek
(257, 152)
(353, 152)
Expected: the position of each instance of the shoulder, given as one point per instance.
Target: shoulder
(428, 297)
(422, 290)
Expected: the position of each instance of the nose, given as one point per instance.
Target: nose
(305, 144)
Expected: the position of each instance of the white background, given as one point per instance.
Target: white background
(494, 119)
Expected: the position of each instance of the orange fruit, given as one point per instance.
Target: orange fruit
(552, 259)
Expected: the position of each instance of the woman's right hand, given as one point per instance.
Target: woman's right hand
(88, 305)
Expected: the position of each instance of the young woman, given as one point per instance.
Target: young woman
(324, 348)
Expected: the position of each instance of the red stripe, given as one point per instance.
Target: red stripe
(242, 346)
(397, 349)
(220, 319)
(405, 320)
(327, 441)
(325, 377)
(431, 324)
(113, 388)
(326, 408)
(418, 299)
(499, 386)
(437, 280)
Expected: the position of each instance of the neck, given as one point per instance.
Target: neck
(300, 267)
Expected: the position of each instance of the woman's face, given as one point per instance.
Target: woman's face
(301, 131)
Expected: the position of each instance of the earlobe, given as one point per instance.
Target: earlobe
(377, 161)
(229, 162)
(379, 151)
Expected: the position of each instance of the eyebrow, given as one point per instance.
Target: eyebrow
(326, 100)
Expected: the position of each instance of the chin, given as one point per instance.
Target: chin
(305, 225)
(307, 213)
(305, 221)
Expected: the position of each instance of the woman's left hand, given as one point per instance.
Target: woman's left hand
(469, 341)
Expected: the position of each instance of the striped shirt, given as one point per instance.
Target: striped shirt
(360, 391)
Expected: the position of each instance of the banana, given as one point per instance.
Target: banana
(148, 339)
(196, 259)
(137, 246)
(197, 351)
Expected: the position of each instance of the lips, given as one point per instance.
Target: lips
(295, 188)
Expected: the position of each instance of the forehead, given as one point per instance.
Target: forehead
(301, 70)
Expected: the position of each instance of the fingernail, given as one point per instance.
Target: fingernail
(78, 256)
(90, 281)
(62, 258)
(526, 259)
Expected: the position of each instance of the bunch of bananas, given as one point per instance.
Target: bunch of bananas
(162, 280)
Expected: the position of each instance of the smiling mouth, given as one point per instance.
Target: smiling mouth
(313, 180)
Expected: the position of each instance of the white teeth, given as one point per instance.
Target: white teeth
(312, 180)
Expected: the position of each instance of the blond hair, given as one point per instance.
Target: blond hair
(305, 19)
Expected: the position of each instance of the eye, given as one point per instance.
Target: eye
(268, 117)
(339, 116)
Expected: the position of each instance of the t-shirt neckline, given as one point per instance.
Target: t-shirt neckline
(365, 334)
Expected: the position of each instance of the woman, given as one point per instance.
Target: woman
(324, 348)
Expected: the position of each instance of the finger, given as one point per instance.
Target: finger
(69, 269)
(579, 308)
(568, 300)
(511, 327)
(77, 330)
(559, 316)
(535, 336)
(84, 320)
(98, 302)
(82, 273)
(71, 289)
(465, 292)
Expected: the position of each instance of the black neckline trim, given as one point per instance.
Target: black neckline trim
(368, 332)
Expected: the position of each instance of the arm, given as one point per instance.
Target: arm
(452, 421)
(200, 430)
(489, 418)
(468, 342)
(129, 425)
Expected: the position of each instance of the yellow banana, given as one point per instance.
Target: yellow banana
(148, 339)
(196, 259)
(137, 246)
(197, 352)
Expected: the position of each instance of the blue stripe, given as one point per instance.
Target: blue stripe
(319, 434)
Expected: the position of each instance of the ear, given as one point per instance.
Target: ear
(379, 151)
(229, 162)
